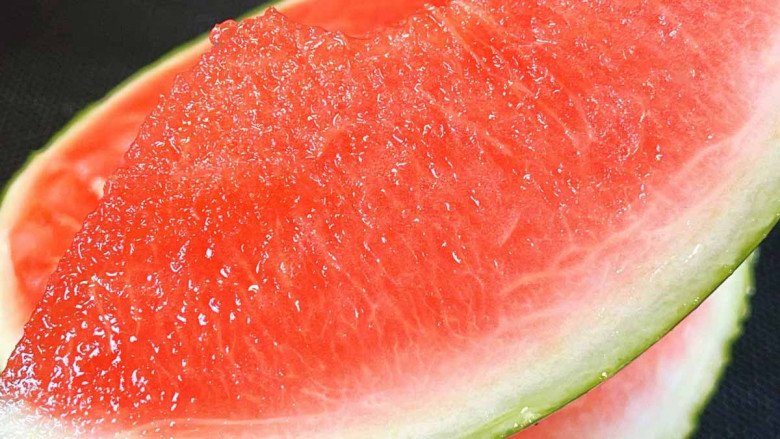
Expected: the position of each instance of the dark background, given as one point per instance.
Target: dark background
(58, 56)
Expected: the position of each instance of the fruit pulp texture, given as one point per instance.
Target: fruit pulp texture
(73, 183)
(309, 218)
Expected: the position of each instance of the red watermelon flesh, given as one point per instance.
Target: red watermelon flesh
(311, 224)
(74, 180)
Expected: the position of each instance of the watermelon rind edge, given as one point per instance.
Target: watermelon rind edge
(718, 370)
(494, 428)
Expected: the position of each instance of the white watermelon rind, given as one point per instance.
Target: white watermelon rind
(666, 400)
(717, 371)
(502, 426)
(758, 214)
(498, 428)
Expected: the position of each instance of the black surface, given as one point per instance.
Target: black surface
(58, 56)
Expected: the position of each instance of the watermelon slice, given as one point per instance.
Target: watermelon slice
(645, 399)
(531, 290)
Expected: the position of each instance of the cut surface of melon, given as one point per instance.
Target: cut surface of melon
(46, 202)
(662, 258)
(647, 399)
(657, 396)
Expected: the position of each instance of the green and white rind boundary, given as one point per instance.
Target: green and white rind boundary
(680, 279)
(690, 386)
(744, 280)
(696, 275)
(684, 383)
